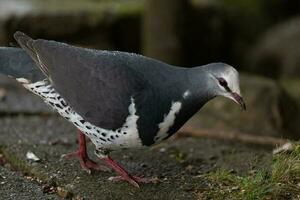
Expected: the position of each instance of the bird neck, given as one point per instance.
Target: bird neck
(193, 92)
(192, 85)
(192, 88)
(201, 85)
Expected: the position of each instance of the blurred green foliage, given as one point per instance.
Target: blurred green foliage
(247, 6)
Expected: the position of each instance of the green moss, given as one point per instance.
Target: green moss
(286, 173)
(130, 8)
(250, 6)
(96, 9)
(292, 87)
(245, 6)
(280, 182)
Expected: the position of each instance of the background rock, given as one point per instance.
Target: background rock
(87, 23)
(277, 53)
(292, 88)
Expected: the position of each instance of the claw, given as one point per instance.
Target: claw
(132, 182)
(125, 176)
(121, 178)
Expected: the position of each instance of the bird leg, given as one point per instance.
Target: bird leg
(85, 162)
(124, 175)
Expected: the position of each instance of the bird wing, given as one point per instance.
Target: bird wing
(98, 85)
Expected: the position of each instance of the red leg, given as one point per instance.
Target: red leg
(85, 162)
(124, 175)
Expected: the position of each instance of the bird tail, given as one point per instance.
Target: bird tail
(27, 43)
(16, 63)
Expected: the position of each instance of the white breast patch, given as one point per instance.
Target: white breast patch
(123, 137)
(168, 121)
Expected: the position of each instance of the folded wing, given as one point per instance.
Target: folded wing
(98, 85)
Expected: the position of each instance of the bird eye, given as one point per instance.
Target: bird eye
(222, 82)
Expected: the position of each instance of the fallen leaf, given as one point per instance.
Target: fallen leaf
(287, 147)
(32, 156)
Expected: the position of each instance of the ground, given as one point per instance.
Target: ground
(177, 163)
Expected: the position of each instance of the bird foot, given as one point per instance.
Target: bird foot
(124, 175)
(86, 163)
(134, 180)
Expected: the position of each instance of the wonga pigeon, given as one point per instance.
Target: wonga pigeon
(117, 99)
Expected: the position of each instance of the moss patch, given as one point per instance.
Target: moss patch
(21, 165)
(282, 182)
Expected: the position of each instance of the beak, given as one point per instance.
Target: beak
(238, 99)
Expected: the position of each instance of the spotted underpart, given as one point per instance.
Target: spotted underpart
(124, 137)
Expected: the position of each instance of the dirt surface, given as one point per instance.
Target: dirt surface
(177, 163)
(13, 186)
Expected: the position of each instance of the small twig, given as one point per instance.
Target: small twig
(234, 136)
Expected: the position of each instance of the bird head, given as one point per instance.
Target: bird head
(224, 81)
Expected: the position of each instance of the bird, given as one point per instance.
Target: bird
(118, 100)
